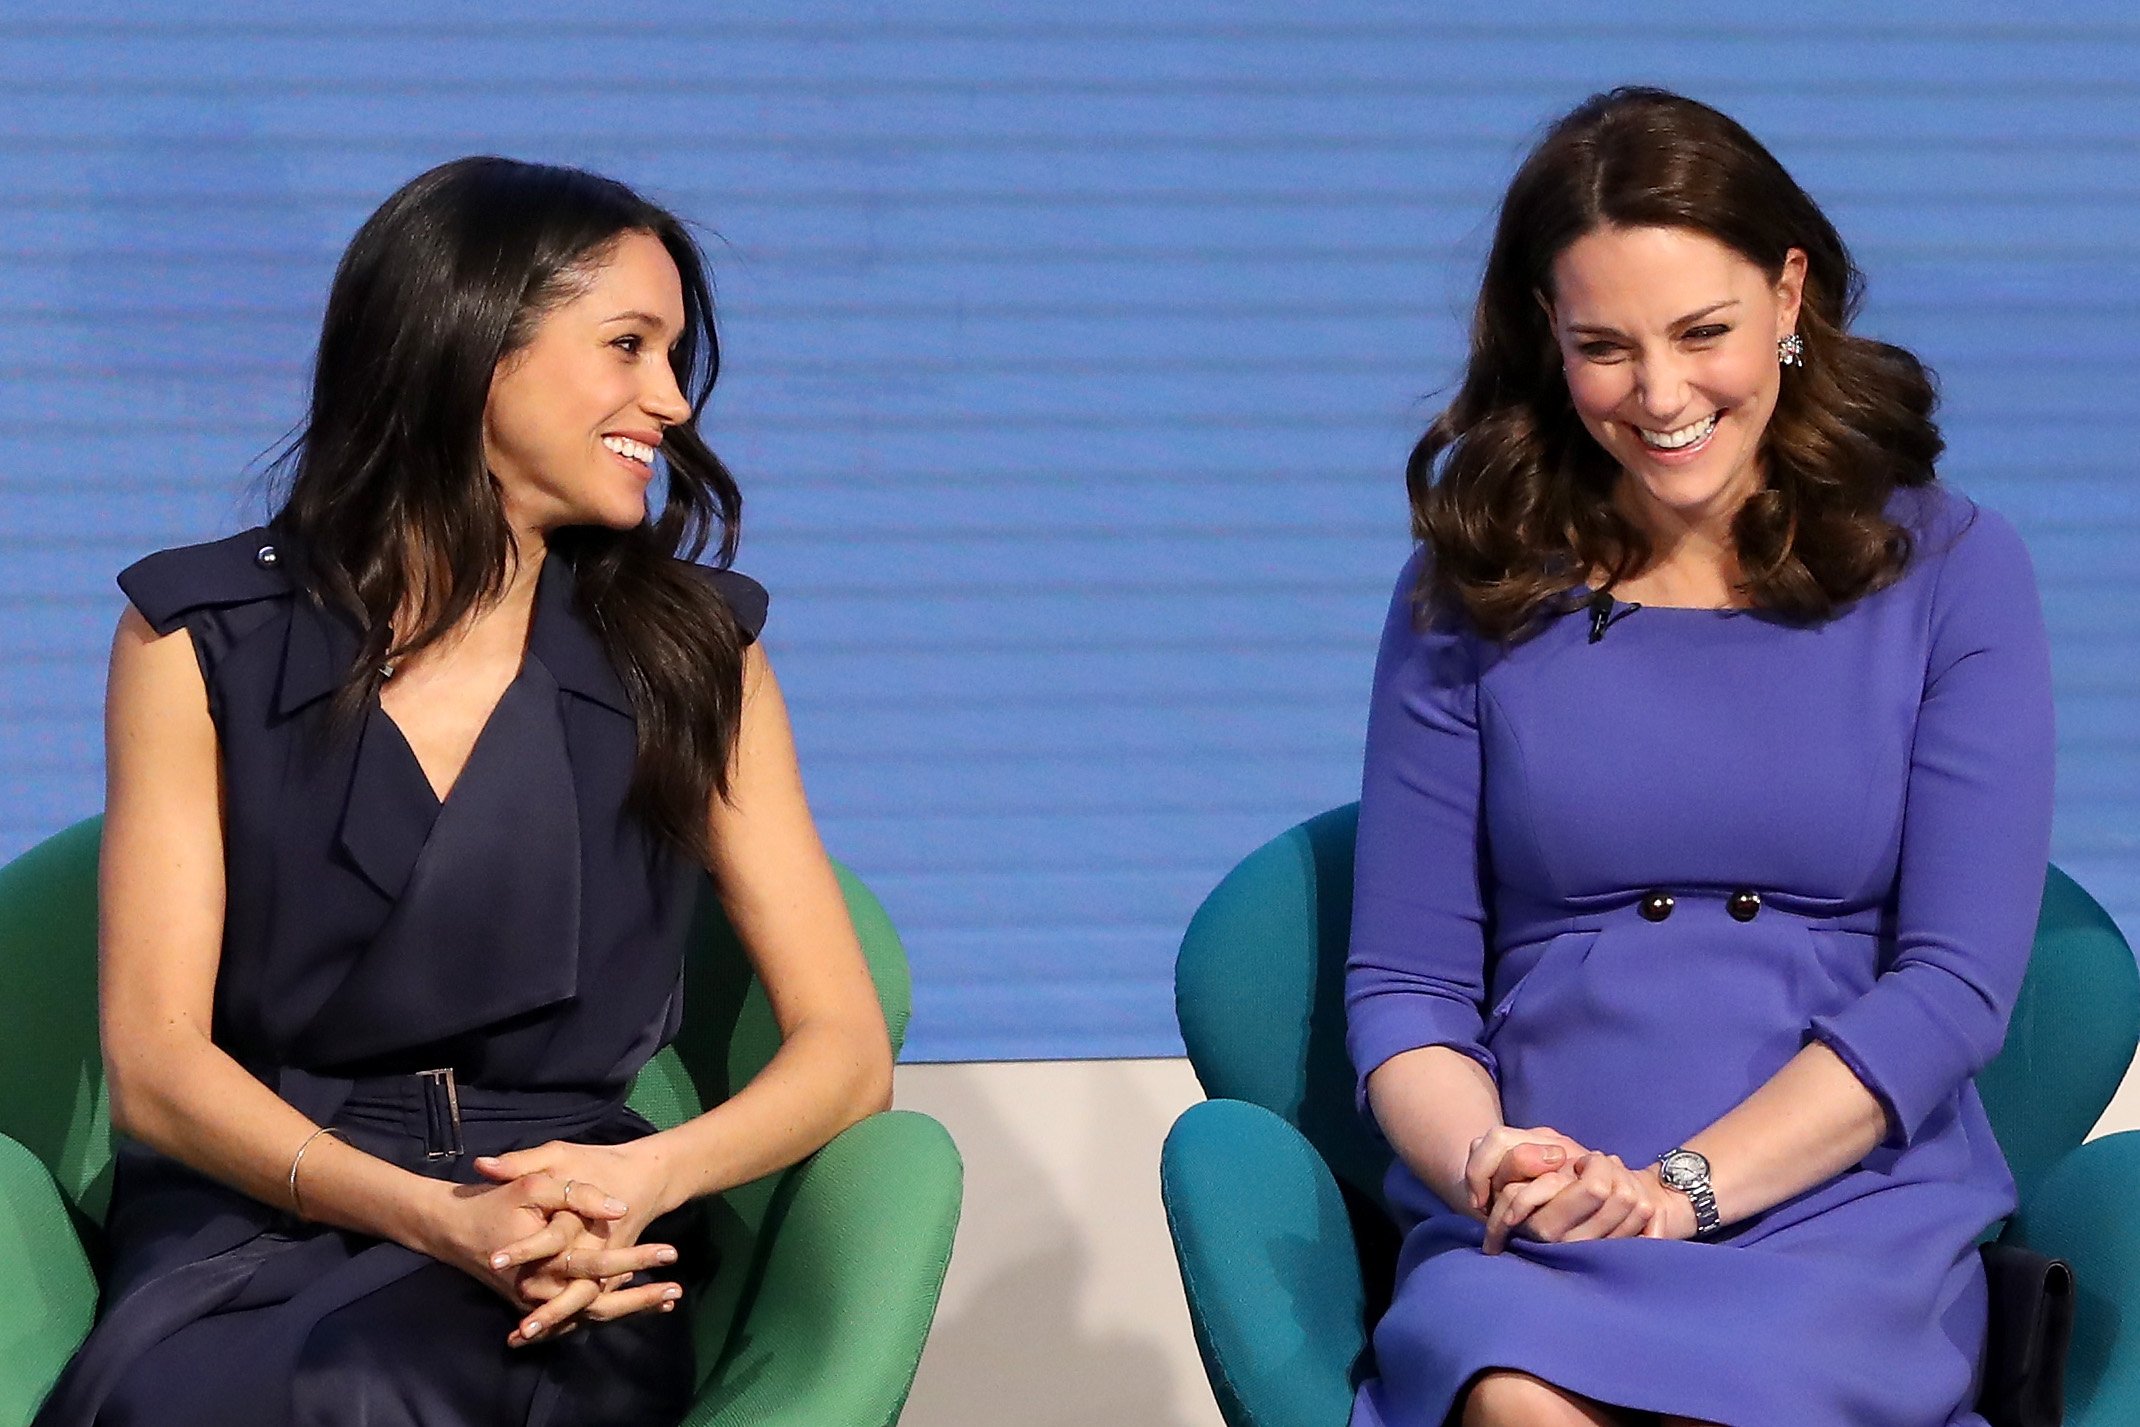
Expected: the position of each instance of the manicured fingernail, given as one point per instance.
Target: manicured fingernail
(614, 1206)
(486, 1159)
(531, 1329)
(1555, 1154)
(669, 1307)
(500, 1259)
(672, 1293)
(665, 1256)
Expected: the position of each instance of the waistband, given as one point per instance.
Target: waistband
(1518, 920)
(432, 1114)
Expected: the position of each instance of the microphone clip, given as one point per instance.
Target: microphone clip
(1602, 614)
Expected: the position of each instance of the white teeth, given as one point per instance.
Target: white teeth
(1683, 437)
(630, 449)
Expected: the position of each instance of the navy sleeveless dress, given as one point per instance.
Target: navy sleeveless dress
(1632, 877)
(525, 934)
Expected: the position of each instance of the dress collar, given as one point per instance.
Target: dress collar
(322, 642)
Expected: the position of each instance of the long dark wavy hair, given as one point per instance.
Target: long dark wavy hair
(1513, 496)
(388, 500)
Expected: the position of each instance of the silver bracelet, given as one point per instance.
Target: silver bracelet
(297, 1203)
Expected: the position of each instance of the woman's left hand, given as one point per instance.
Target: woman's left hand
(1674, 1218)
(578, 1266)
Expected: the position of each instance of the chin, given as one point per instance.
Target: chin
(1690, 491)
(1685, 492)
(620, 514)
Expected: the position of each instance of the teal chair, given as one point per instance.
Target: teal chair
(1273, 1187)
(829, 1270)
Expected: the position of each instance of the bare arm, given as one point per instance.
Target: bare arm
(1434, 1105)
(834, 1065)
(161, 906)
(1807, 1123)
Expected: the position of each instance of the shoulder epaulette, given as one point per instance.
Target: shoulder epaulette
(169, 584)
(745, 597)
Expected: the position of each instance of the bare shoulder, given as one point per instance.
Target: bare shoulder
(156, 716)
(145, 661)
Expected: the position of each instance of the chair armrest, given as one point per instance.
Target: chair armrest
(48, 1295)
(2082, 1212)
(858, 1238)
(1269, 1265)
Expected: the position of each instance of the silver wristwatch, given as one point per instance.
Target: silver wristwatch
(1688, 1172)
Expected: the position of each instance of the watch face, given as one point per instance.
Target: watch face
(1682, 1169)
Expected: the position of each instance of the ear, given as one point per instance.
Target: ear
(1790, 291)
(1545, 305)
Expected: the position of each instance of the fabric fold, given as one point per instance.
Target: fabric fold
(475, 938)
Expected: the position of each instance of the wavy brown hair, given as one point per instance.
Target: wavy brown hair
(392, 508)
(1513, 496)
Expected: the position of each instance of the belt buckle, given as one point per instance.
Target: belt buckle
(442, 1113)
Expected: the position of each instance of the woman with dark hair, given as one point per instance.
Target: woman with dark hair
(1705, 816)
(411, 792)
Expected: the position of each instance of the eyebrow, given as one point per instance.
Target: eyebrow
(1708, 311)
(658, 324)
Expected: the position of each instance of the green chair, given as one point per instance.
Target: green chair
(1273, 1187)
(829, 1270)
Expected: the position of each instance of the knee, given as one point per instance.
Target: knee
(1515, 1399)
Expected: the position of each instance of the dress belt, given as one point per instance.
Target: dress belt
(432, 1110)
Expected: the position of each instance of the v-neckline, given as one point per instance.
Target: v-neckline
(439, 797)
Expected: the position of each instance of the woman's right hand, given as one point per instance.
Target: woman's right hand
(1593, 1196)
(589, 1278)
(1506, 1155)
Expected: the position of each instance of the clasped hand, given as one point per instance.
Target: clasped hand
(556, 1229)
(1545, 1186)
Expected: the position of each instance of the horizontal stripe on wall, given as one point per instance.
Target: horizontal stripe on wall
(1070, 366)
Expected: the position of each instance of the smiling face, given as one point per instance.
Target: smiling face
(1669, 342)
(574, 416)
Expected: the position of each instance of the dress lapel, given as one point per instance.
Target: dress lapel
(487, 926)
(568, 646)
(487, 887)
(386, 815)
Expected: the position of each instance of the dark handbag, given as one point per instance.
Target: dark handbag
(2031, 1328)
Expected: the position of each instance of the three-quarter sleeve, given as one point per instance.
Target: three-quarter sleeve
(1975, 839)
(1415, 975)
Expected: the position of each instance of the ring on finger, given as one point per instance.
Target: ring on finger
(567, 1195)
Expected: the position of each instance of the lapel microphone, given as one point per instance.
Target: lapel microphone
(1602, 616)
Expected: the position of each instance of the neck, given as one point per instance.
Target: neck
(1691, 547)
(531, 544)
(516, 597)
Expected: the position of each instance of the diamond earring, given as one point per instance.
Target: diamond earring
(1791, 351)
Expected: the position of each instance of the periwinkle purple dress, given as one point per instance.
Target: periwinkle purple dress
(1882, 783)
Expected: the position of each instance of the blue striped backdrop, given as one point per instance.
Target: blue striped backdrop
(1073, 356)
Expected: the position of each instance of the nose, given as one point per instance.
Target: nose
(663, 399)
(1661, 387)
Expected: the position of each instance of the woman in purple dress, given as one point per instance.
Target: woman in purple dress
(1706, 809)
(412, 794)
